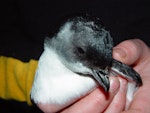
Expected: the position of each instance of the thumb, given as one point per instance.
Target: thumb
(130, 51)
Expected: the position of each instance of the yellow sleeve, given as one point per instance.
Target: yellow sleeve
(16, 79)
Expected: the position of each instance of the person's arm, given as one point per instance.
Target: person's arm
(16, 79)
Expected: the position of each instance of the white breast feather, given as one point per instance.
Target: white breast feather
(56, 84)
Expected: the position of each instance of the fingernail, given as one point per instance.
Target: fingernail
(119, 53)
(114, 84)
(123, 85)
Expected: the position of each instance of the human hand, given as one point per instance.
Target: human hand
(136, 53)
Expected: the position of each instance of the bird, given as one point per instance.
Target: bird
(76, 60)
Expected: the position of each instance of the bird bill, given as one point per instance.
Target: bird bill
(117, 68)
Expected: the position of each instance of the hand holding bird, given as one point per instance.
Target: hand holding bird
(76, 61)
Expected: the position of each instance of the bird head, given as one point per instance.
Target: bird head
(85, 48)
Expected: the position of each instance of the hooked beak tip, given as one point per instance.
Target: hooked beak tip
(102, 79)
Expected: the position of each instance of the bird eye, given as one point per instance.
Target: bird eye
(80, 50)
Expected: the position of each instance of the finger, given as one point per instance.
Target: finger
(95, 102)
(118, 103)
(130, 51)
(141, 100)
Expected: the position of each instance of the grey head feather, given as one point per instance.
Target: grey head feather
(85, 41)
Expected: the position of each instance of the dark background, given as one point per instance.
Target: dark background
(25, 23)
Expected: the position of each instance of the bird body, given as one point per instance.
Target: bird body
(56, 83)
(75, 61)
